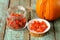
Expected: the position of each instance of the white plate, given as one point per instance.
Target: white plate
(38, 19)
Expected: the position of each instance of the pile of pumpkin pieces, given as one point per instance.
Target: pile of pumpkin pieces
(16, 21)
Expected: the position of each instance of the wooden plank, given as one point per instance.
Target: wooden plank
(57, 28)
(3, 7)
(24, 3)
(13, 34)
(50, 34)
(14, 3)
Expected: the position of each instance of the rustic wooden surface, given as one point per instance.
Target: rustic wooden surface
(3, 7)
(17, 35)
(8, 34)
(57, 29)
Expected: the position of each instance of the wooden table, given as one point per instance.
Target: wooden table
(8, 34)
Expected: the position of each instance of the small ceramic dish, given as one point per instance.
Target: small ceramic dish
(40, 20)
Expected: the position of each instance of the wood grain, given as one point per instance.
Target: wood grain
(15, 35)
(14, 3)
(57, 29)
(21, 34)
(48, 36)
(53, 34)
(3, 7)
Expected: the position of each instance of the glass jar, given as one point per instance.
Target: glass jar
(16, 17)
